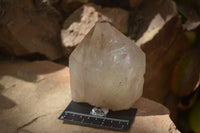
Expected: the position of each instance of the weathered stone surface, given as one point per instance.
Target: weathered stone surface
(151, 118)
(30, 26)
(158, 32)
(163, 52)
(107, 69)
(78, 24)
(145, 23)
(38, 92)
(32, 90)
(154, 38)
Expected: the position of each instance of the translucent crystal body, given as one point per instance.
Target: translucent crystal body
(106, 69)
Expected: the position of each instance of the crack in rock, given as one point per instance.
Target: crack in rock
(27, 124)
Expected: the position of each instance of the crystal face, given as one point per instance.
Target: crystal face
(107, 69)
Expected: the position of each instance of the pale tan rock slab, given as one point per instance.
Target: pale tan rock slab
(37, 102)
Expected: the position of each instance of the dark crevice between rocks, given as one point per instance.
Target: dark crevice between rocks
(5, 55)
(28, 57)
(33, 57)
(124, 4)
(64, 60)
(72, 7)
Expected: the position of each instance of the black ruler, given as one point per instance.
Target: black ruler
(81, 113)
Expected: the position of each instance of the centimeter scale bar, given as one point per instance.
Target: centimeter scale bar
(80, 113)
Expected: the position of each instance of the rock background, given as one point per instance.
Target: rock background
(37, 37)
(81, 21)
(29, 27)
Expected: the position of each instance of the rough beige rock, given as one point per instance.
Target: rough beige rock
(30, 26)
(78, 24)
(107, 69)
(38, 92)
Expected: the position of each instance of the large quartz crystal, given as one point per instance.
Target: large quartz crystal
(106, 69)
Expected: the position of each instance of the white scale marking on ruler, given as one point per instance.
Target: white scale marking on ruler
(111, 119)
